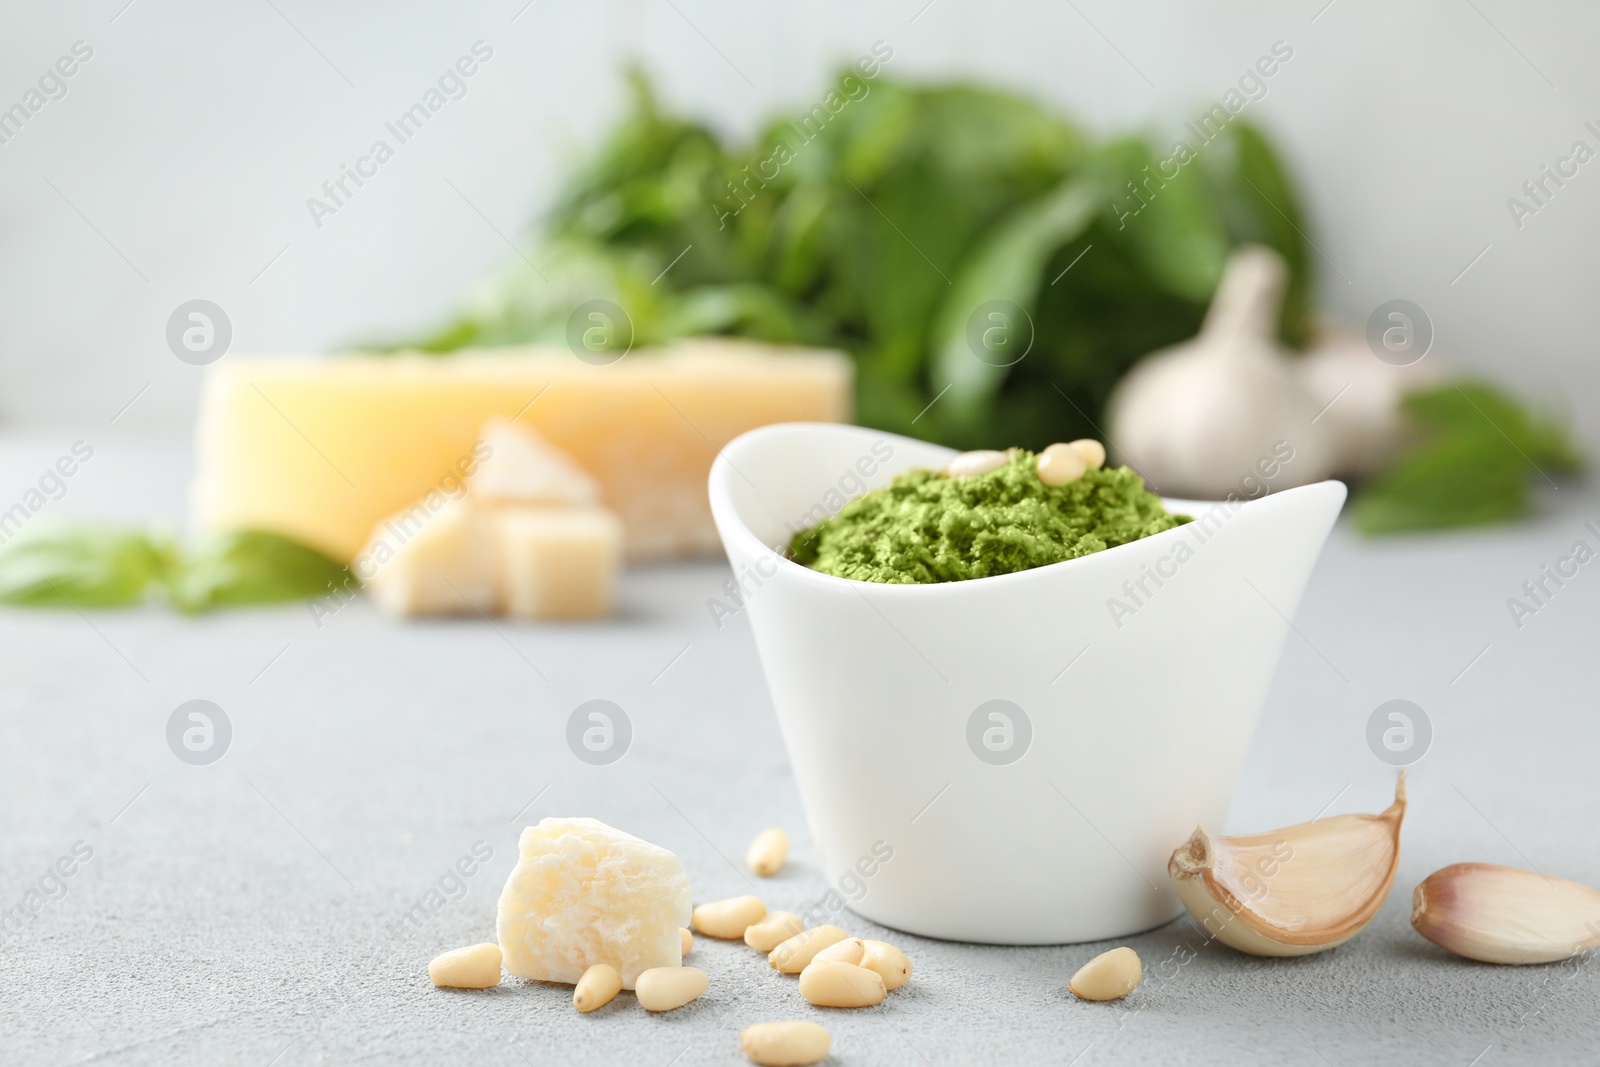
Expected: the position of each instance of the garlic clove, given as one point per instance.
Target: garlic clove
(1505, 915)
(1294, 891)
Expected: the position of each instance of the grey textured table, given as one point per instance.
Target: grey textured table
(253, 911)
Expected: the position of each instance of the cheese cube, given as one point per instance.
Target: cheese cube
(521, 467)
(584, 893)
(437, 557)
(319, 450)
(558, 563)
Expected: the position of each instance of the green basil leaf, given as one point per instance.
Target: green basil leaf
(1481, 452)
(1165, 216)
(1454, 481)
(1009, 266)
(251, 567)
(1476, 407)
(80, 565)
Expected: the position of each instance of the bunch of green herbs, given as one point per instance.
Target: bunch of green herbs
(883, 230)
(890, 230)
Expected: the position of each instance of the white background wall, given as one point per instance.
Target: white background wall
(179, 163)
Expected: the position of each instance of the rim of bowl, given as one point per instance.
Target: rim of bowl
(722, 506)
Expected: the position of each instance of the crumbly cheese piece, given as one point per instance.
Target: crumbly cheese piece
(321, 450)
(526, 540)
(558, 563)
(521, 467)
(437, 557)
(584, 893)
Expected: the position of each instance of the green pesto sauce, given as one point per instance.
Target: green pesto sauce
(925, 527)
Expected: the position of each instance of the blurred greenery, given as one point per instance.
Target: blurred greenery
(80, 564)
(250, 567)
(1479, 454)
(882, 225)
(884, 230)
(886, 226)
(90, 564)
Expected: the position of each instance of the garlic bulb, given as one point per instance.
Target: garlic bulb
(1505, 915)
(1202, 417)
(1357, 397)
(1294, 891)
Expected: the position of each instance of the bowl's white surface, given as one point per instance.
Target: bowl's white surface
(1140, 714)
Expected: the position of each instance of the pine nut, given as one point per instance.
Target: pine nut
(847, 951)
(665, 988)
(1108, 976)
(774, 929)
(728, 918)
(831, 984)
(1059, 464)
(791, 956)
(972, 464)
(473, 967)
(768, 852)
(888, 961)
(786, 1044)
(686, 939)
(596, 988)
(1092, 451)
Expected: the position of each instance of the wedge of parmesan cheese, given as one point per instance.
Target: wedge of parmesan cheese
(521, 467)
(435, 560)
(522, 538)
(584, 893)
(321, 450)
(558, 563)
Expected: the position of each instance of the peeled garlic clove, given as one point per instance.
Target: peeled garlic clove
(972, 464)
(1293, 891)
(1505, 915)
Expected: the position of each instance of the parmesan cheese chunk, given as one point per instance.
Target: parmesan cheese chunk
(584, 893)
(523, 468)
(559, 563)
(524, 539)
(320, 450)
(442, 560)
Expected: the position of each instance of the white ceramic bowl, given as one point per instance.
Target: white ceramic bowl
(1049, 817)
